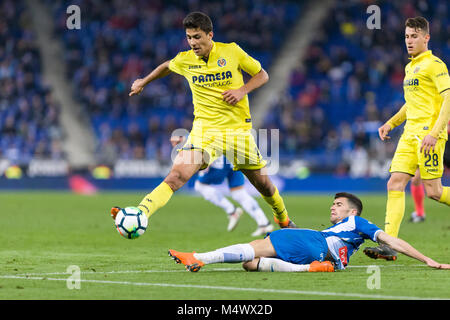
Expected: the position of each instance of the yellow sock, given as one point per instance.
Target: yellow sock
(278, 209)
(156, 199)
(395, 210)
(445, 196)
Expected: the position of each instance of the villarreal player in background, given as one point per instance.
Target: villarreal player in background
(222, 122)
(422, 144)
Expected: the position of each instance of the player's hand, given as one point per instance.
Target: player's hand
(428, 144)
(433, 264)
(233, 96)
(137, 87)
(175, 140)
(383, 132)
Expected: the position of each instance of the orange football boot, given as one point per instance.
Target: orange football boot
(317, 266)
(114, 211)
(285, 224)
(187, 258)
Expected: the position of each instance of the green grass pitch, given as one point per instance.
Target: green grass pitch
(43, 233)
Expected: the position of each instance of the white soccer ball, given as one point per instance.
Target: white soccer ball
(131, 222)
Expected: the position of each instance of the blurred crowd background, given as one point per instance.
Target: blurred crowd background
(29, 117)
(348, 84)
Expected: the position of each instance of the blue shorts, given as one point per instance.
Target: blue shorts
(299, 246)
(217, 176)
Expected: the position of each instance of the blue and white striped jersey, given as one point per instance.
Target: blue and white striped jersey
(345, 238)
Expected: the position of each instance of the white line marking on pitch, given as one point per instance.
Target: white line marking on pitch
(121, 271)
(390, 266)
(259, 290)
(183, 270)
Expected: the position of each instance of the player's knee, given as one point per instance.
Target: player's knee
(392, 184)
(434, 197)
(251, 265)
(433, 189)
(396, 183)
(176, 179)
(433, 193)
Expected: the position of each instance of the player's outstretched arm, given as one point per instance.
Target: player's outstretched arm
(405, 248)
(160, 71)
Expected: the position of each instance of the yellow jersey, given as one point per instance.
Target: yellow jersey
(209, 79)
(426, 77)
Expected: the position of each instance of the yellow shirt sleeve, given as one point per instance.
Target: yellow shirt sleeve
(398, 118)
(175, 65)
(247, 63)
(439, 75)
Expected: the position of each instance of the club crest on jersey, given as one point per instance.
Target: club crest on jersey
(416, 69)
(221, 62)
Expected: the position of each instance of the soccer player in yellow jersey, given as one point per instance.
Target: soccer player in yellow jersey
(222, 120)
(426, 111)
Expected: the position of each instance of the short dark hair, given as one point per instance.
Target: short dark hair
(353, 200)
(418, 23)
(199, 20)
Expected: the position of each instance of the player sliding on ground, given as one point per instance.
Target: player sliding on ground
(222, 123)
(426, 111)
(297, 250)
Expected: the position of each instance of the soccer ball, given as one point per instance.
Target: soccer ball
(131, 222)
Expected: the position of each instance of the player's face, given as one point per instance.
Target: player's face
(199, 41)
(416, 41)
(340, 210)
